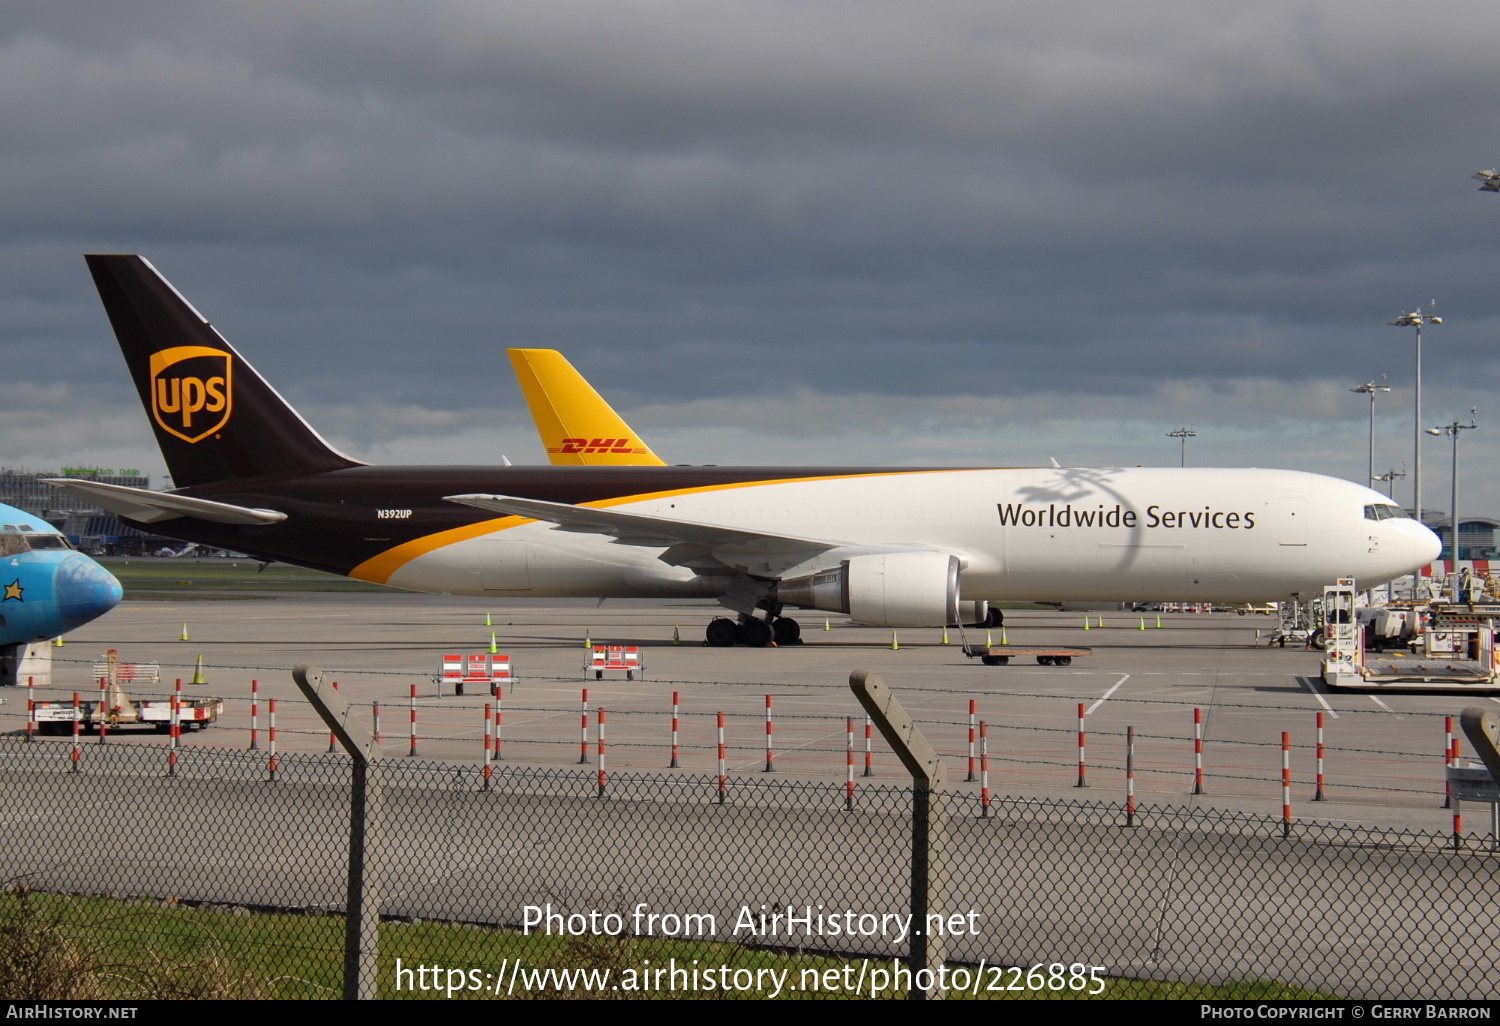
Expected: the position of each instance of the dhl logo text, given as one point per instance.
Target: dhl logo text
(587, 445)
(190, 391)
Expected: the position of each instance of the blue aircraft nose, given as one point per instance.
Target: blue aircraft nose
(85, 590)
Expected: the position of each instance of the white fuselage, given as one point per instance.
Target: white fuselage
(1103, 534)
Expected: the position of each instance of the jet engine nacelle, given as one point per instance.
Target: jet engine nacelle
(892, 589)
(975, 613)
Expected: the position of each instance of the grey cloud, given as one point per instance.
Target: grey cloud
(1192, 211)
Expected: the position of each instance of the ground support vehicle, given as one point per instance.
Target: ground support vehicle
(111, 707)
(1452, 648)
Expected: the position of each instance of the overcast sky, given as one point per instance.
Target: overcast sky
(772, 232)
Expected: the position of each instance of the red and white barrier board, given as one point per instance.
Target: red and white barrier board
(624, 659)
(480, 669)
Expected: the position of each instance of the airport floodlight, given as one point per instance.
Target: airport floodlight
(1371, 388)
(1453, 430)
(1415, 319)
(1491, 180)
(1182, 434)
(1389, 477)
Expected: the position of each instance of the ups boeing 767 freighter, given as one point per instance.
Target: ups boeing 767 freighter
(890, 547)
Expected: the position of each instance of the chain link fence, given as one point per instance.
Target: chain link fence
(135, 874)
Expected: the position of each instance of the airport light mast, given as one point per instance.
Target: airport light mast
(1491, 180)
(1371, 388)
(1184, 434)
(1389, 477)
(1408, 320)
(1452, 430)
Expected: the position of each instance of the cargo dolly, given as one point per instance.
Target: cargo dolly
(1046, 655)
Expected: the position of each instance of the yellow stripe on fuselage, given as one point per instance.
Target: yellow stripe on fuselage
(379, 569)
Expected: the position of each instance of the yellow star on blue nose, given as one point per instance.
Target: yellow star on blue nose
(13, 591)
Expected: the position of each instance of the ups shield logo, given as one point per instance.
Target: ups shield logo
(190, 391)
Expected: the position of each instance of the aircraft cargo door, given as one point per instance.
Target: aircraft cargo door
(502, 565)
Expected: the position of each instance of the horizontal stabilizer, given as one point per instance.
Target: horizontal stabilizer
(150, 507)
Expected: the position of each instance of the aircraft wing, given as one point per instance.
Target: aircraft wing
(149, 507)
(687, 543)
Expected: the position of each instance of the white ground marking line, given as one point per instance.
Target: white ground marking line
(1316, 694)
(1377, 701)
(1495, 700)
(1105, 697)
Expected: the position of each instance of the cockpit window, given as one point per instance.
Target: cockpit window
(17, 543)
(1381, 511)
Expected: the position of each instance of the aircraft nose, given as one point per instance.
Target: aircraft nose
(1428, 546)
(85, 590)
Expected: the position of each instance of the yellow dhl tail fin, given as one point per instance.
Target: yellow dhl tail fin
(577, 426)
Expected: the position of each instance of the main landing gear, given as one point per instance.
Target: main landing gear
(752, 632)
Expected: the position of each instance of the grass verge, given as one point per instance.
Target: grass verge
(150, 578)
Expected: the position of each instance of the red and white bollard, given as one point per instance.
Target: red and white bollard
(271, 751)
(375, 721)
(102, 709)
(77, 728)
(176, 725)
(30, 710)
(333, 739)
(984, 769)
(602, 778)
(1458, 818)
(1447, 761)
(177, 713)
(1286, 784)
(412, 750)
(1129, 773)
(1318, 794)
(489, 733)
(583, 744)
(1082, 768)
(254, 715)
(770, 755)
(1197, 751)
(849, 771)
(973, 719)
(869, 747)
(673, 763)
(723, 780)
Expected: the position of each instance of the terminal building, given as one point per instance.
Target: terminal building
(1476, 535)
